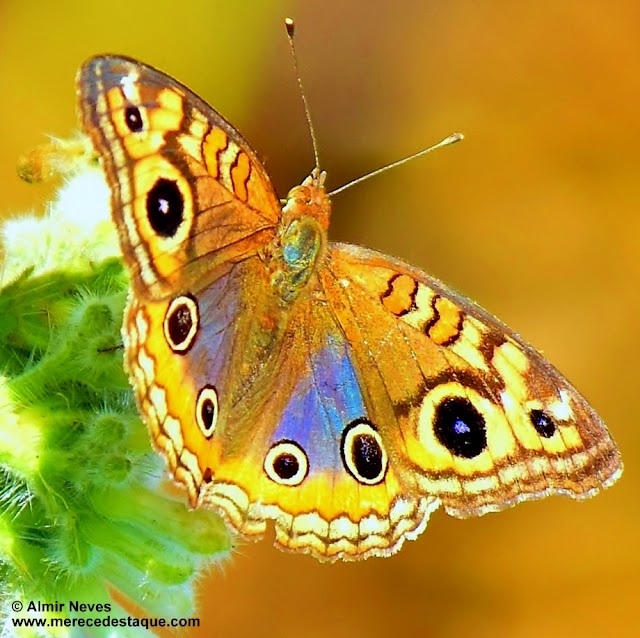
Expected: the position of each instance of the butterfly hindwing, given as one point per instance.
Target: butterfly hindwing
(299, 445)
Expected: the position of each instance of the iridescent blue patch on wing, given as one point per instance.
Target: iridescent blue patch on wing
(323, 403)
(219, 306)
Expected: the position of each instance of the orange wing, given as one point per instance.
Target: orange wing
(484, 421)
(189, 196)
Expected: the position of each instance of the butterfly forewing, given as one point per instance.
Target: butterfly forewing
(189, 196)
(486, 421)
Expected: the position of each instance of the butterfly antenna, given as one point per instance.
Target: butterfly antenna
(291, 29)
(452, 139)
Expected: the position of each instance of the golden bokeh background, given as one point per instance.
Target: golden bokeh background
(535, 215)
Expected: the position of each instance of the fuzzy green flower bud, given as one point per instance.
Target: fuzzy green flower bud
(82, 509)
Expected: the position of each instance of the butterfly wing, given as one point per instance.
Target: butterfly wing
(189, 196)
(485, 422)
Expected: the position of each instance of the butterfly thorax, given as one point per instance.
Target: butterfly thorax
(299, 247)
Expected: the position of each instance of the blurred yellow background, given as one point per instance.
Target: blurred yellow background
(535, 215)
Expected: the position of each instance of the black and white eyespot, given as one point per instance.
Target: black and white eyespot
(133, 118)
(363, 452)
(165, 207)
(181, 323)
(207, 410)
(286, 463)
(545, 426)
(460, 427)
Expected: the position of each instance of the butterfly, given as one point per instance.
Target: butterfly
(341, 393)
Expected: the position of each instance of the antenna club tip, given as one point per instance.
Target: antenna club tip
(290, 25)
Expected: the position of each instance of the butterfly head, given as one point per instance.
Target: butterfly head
(310, 199)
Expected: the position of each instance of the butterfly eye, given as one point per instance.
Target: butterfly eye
(286, 463)
(460, 427)
(165, 207)
(181, 323)
(363, 453)
(207, 410)
(133, 118)
(543, 423)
